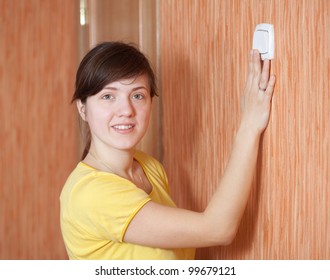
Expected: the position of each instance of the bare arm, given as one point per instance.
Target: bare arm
(160, 226)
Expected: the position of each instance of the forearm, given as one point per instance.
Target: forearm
(225, 210)
(226, 207)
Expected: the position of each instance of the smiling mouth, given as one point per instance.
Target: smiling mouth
(123, 127)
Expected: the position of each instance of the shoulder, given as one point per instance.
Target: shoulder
(146, 159)
(87, 185)
(149, 163)
(100, 203)
(83, 174)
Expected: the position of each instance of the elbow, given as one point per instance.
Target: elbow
(220, 233)
(228, 239)
(223, 237)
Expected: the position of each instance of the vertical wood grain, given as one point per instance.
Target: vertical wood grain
(204, 47)
(38, 47)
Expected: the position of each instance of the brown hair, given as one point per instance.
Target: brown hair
(106, 63)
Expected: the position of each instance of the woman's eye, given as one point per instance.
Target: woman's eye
(138, 96)
(107, 96)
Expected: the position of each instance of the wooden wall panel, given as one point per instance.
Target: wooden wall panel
(204, 53)
(38, 47)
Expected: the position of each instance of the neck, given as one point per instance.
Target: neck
(115, 161)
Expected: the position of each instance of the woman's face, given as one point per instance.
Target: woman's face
(118, 115)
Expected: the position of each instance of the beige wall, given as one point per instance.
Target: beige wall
(204, 53)
(38, 49)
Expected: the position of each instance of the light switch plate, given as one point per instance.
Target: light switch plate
(263, 40)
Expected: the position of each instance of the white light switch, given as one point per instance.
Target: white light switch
(263, 40)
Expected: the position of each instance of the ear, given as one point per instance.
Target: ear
(81, 109)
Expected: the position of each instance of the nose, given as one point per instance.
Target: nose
(125, 108)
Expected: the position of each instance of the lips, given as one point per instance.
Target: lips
(123, 127)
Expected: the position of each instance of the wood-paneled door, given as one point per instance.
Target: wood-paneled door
(204, 53)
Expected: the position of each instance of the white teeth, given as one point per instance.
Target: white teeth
(123, 127)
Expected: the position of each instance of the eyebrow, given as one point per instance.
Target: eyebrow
(136, 88)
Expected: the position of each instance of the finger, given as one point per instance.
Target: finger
(264, 75)
(251, 68)
(256, 62)
(250, 75)
(256, 69)
(270, 87)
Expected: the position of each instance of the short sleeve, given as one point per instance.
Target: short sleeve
(105, 205)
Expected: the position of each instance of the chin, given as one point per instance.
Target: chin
(126, 147)
(126, 144)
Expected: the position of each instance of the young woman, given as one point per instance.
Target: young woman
(116, 202)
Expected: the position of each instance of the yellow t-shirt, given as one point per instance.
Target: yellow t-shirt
(97, 207)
